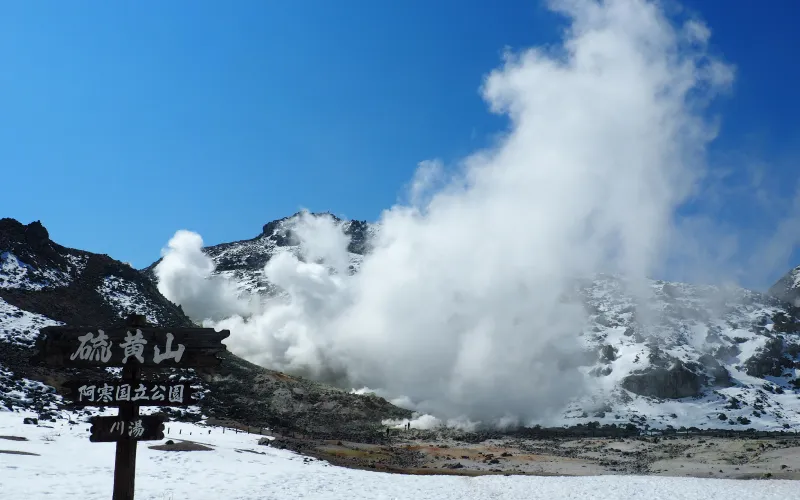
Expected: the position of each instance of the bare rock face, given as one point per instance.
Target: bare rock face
(36, 234)
(720, 375)
(674, 382)
(248, 393)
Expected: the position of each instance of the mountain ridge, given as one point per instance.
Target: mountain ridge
(43, 283)
(718, 351)
(711, 352)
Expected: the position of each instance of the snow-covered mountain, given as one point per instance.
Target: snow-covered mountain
(243, 261)
(43, 283)
(690, 355)
(681, 355)
(77, 287)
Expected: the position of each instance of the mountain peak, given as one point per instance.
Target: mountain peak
(270, 227)
(35, 231)
(73, 286)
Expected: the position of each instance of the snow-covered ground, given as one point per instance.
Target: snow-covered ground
(18, 326)
(68, 467)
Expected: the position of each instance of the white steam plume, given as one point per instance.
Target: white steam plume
(460, 308)
(185, 276)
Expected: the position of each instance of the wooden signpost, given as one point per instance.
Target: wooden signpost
(131, 346)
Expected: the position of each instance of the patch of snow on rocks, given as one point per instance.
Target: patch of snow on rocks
(16, 274)
(21, 327)
(126, 298)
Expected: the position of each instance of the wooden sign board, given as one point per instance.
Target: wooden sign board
(65, 346)
(138, 428)
(119, 392)
(132, 346)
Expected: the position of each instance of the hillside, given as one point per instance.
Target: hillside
(707, 357)
(679, 355)
(43, 283)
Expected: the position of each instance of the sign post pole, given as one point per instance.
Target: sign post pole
(125, 462)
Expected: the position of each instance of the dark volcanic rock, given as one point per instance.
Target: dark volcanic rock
(719, 374)
(787, 322)
(608, 353)
(67, 280)
(249, 393)
(37, 236)
(672, 383)
(769, 360)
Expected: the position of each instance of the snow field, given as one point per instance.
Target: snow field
(68, 467)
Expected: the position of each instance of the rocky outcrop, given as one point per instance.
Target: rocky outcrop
(63, 283)
(674, 382)
(248, 393)
(31, 244)
(771, 360)
(719, 375)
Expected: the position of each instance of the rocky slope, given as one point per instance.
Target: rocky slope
(690, 356)
(77, 287)
(43, 283)
(678, 355)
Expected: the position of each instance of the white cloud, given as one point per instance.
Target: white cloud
(697, 31)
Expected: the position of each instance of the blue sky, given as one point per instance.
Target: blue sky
(125, 121)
